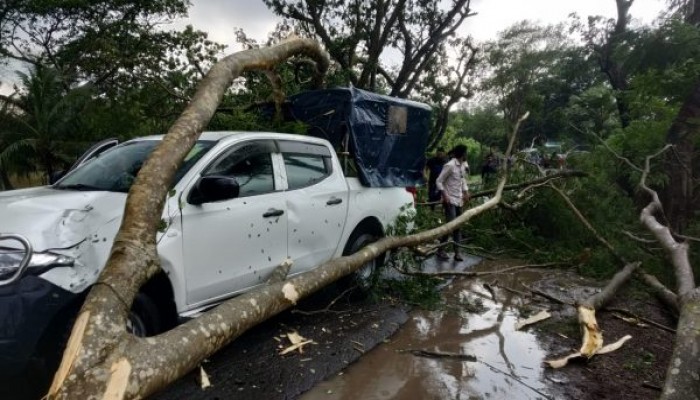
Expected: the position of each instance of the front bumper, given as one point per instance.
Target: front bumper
(27, 307)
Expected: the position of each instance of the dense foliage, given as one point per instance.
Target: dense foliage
(574, 103)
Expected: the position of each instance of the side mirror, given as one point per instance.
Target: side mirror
(214, 188)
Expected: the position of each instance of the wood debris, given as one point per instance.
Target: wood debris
(540, 316)
(298, 343)
(203, 378)
(561, 362)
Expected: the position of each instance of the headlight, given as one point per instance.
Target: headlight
(10, 260)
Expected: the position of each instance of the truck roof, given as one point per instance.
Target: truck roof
(220, 135)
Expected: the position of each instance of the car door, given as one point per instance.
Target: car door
(231, 245)
(316, 203)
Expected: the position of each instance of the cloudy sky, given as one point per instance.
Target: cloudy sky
(220, 17)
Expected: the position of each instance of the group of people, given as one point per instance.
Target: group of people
(554, 161)
(447, 182)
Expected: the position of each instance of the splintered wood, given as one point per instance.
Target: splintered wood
(592, 340)
(298, 343)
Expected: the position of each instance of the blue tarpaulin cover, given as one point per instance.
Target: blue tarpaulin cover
(386, 136)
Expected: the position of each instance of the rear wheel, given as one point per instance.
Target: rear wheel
(367, 275)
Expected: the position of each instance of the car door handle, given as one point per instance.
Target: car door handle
(333, 201)
(273, 212)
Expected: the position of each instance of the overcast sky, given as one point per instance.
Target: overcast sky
(220, 17)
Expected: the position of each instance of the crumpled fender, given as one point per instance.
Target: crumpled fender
(78, 224)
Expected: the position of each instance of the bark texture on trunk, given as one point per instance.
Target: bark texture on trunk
(680, 196)
(102, 359)
(683, 372)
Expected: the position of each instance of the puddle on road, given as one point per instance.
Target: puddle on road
(472, 324)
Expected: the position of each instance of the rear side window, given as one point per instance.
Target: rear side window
(305, 169)
(306, 163)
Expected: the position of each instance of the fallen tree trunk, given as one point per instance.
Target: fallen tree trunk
(102, 360)
(683, 372)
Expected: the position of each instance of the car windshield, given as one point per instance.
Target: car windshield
(116, 169)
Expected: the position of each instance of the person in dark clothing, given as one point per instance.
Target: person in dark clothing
(489, 167)
(433, 168)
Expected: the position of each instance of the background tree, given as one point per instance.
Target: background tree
(687, 9)
(609, 41)
(536, 68)
(655, 82)
(363, 39)
(39, 125)
(483, 124)
(140, 75)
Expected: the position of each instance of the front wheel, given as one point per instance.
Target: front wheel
(367, 275)
(144, 318)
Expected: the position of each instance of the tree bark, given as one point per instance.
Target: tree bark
(680, 196)
(101, 358)
(612, 67)
(683, 372)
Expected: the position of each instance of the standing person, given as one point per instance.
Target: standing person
(489, 167)
(452, 183)
(434, 167)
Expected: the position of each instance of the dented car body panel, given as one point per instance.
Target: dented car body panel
(293, 202)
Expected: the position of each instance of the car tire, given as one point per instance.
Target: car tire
(366, 277)
(144, 317)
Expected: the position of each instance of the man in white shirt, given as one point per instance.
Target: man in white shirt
(452, 183)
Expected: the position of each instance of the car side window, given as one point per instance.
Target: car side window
(251, 165)
(305, 169)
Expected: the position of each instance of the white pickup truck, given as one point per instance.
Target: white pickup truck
(240, 204)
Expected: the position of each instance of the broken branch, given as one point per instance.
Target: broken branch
(437, 354)
(637, 317)
(473, 274)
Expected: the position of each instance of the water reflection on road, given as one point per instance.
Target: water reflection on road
(488, 332)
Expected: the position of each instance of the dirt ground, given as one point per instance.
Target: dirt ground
(251, 368)
(636, 371)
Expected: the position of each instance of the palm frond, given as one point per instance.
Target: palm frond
(12, 151)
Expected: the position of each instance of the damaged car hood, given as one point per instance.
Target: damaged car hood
(57, 219)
